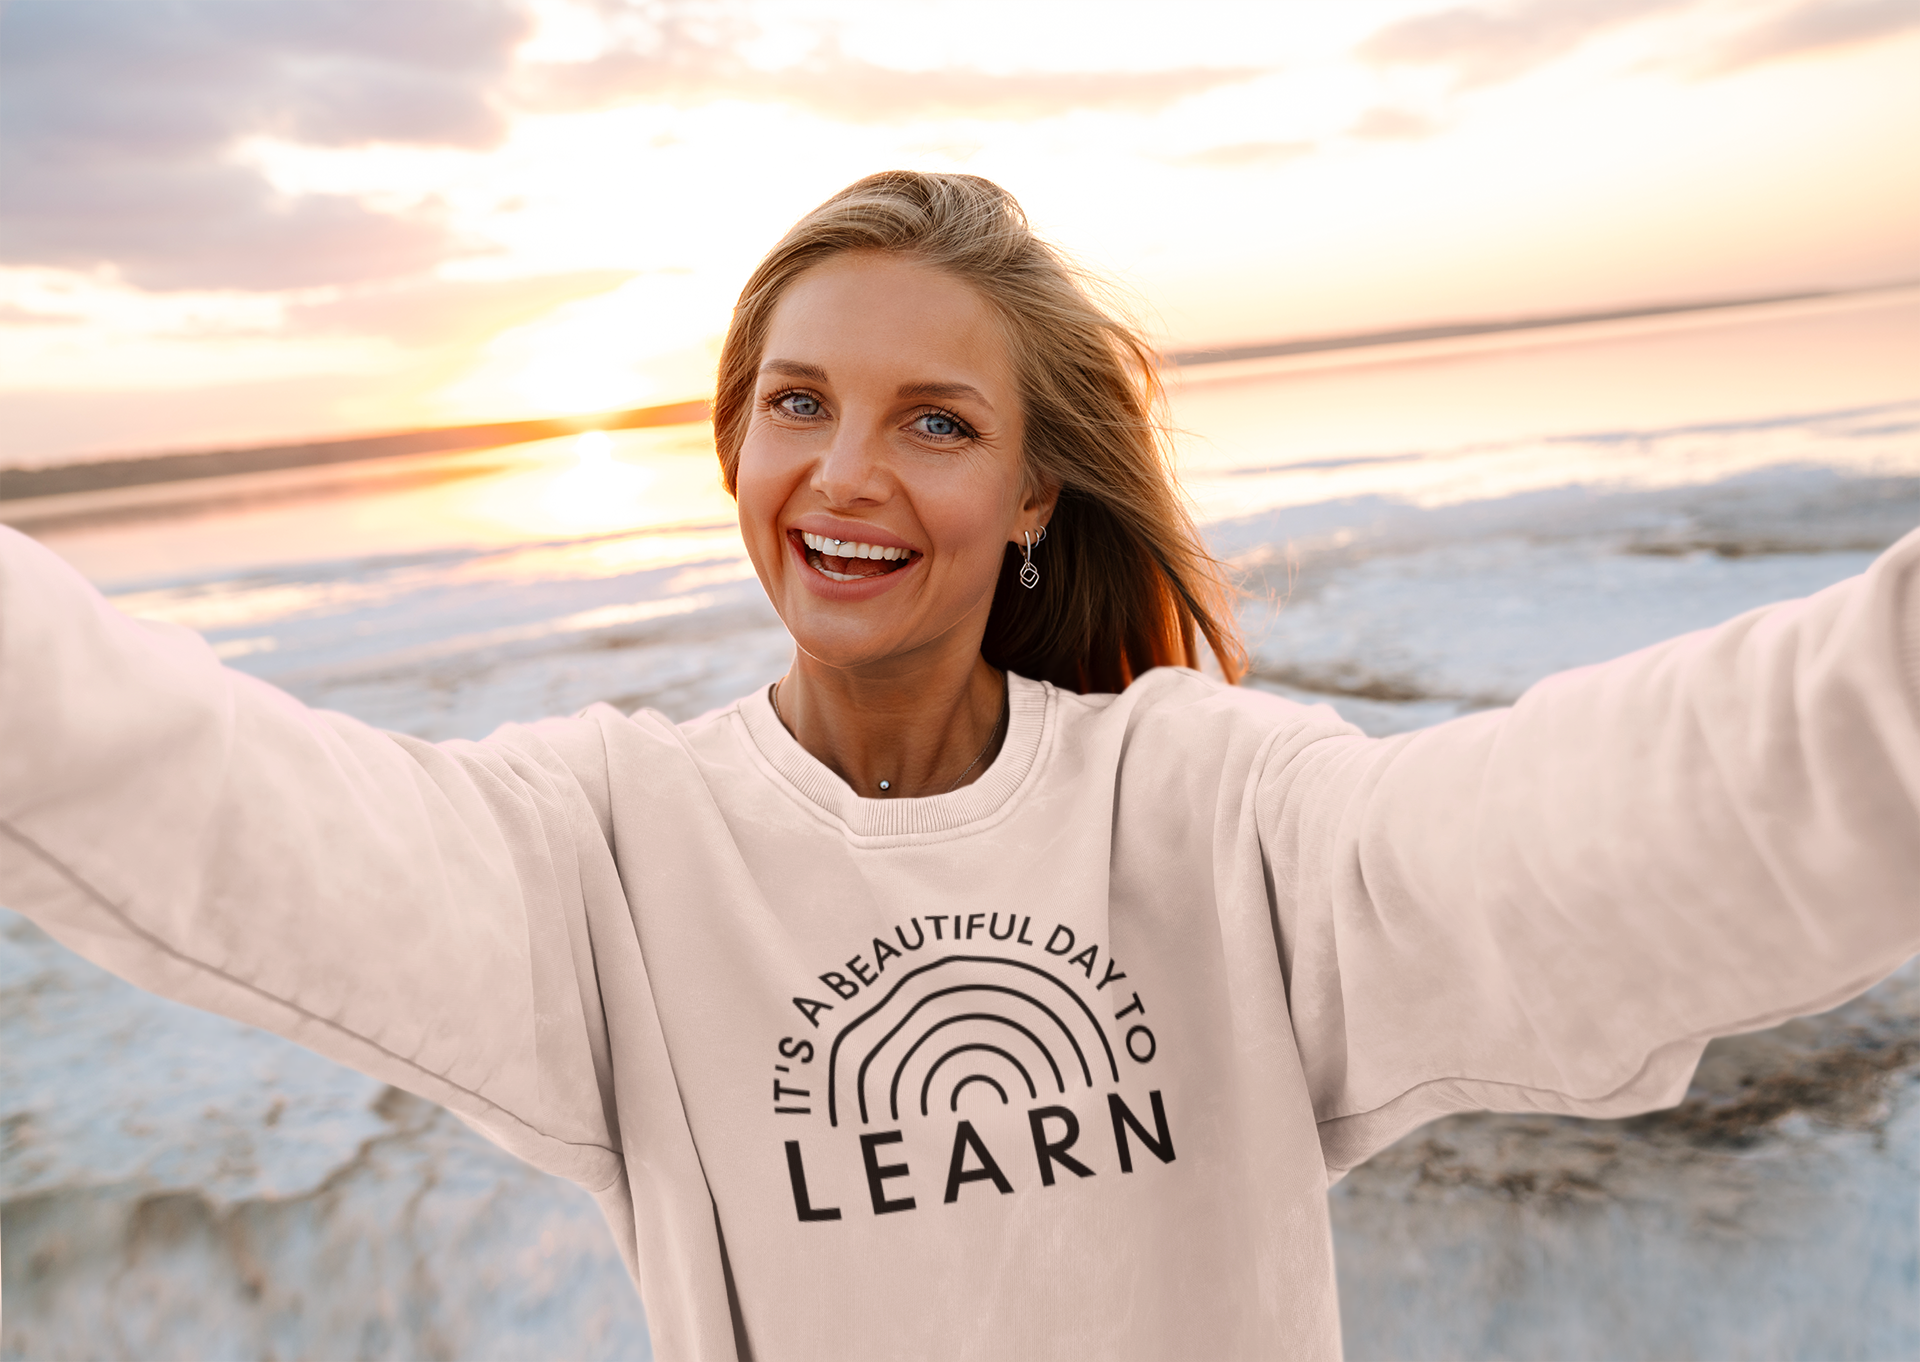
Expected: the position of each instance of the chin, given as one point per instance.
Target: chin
(834, 649)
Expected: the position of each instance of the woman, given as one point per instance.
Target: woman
(994, 984)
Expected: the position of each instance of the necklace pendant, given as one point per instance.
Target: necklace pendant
(886, 785)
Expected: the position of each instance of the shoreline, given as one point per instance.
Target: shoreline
(140, 470)
(23, 490)
(1498, 326)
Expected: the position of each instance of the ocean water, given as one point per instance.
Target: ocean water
(1421, 532)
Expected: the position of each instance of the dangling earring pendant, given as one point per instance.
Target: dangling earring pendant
(1029, 574)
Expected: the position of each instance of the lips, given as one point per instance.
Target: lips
(850, 560)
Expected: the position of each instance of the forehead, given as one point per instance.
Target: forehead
(865, 313)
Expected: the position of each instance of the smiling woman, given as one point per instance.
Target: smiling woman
(1039, 383)
(790, 988)
(914, 374)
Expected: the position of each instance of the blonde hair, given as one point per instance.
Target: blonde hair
(1125, 583)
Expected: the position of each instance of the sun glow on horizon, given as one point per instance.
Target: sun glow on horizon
(649, 340)
(598, 492)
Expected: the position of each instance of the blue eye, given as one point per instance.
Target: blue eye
(942, 426)
(799, 404)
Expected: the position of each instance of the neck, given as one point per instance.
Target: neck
(917, 731)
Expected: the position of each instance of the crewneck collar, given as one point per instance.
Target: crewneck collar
(1028, 705)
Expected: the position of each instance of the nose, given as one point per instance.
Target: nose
(852, 470)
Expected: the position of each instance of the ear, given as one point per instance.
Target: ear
(1037, 509)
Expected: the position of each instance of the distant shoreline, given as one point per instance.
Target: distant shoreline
(1407, 335)
(96, 475)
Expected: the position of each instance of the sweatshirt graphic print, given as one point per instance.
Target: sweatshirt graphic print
(984, 1013)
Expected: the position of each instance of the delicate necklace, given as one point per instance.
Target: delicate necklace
(992, 733)
(1006, 707)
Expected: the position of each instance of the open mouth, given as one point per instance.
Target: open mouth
(849, 560)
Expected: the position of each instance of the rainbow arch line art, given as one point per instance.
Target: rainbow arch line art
(926, 1084)
(993, 962)
(988, 1079)
(893, 1090)
(972, 987)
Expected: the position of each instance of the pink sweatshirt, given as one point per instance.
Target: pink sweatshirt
(1057, 1065)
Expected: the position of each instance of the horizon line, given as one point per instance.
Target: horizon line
(139, 470)
(94, 474)
(1404, 335)
(1494, 325)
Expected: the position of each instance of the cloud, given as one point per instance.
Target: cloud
(118, 122)
(1816, 27)
(440, 310)
(1237, 155)
(1384, 124)
(686, 56)
(12, 314)
(1485, 46)
(120, 119)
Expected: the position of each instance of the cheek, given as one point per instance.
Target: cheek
(971, 526)
(760, 491)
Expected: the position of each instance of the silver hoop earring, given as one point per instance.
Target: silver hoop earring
(1029, 574)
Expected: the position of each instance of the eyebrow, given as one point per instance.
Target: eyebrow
(945, 390)
(793, 368)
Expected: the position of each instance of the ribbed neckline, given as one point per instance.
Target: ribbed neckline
(1027, 705)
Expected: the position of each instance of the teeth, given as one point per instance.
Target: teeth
(850, 548)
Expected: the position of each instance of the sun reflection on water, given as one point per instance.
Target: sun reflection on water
(599, 483)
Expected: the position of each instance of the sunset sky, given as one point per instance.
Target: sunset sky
(232, 220)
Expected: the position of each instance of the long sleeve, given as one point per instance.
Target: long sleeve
(1554, 907)
(413, 910)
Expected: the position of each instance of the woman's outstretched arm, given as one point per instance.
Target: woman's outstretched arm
(414, 910)
(1554, 907)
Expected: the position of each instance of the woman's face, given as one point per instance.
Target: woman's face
(881, 475)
